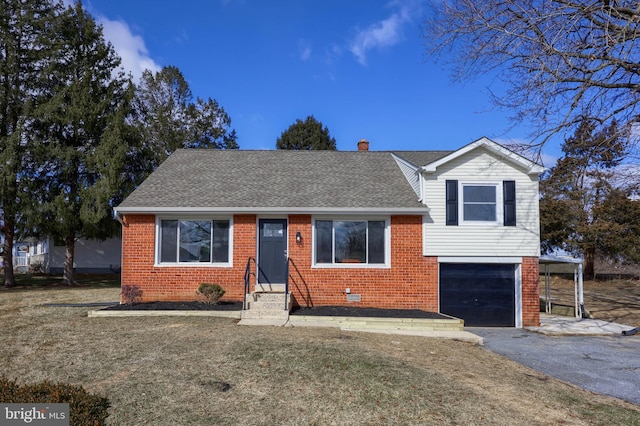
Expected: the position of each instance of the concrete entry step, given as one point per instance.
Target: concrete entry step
(264, 314)
(267, 305)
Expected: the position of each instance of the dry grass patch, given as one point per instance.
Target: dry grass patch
(197, 370)
(615, 300)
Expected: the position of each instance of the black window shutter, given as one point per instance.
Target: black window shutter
(509, 198)
(452, 203)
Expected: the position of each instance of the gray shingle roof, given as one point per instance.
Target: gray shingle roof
(243, 180)
(421, 158)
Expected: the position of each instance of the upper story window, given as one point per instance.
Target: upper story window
(351, 242)
(194, 241)
(481, 203)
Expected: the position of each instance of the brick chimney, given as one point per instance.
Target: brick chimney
(363, 145)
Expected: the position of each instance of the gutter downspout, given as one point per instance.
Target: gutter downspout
(119, 218)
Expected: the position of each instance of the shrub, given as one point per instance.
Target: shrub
(131, 294)
(211, 292)
(84, 408)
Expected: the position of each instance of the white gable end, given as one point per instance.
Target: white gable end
(487, 165)
(499, 151)
(411, 174)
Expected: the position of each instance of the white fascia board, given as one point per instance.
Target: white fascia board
(549, 259)
(410, 165)
(531, 167)
(271, 210)
(480, 259)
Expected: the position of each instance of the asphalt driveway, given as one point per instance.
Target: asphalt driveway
(608, 365)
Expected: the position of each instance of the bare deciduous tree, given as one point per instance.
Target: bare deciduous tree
(561, 60)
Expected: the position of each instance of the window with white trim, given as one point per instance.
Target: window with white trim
(351, 242)
(186, 241)
(479, 203)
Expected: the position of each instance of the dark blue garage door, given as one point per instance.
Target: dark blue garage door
(481, 294)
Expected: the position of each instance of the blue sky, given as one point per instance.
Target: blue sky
(358, 66)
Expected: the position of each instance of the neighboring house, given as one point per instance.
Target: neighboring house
(455, 232)
(20, 256)
(90, 256)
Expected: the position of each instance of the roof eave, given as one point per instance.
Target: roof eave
(531, 167)
(273, 210)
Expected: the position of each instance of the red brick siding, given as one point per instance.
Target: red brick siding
(530, 292)
(410, 283)
(181, 282)
(406, 284)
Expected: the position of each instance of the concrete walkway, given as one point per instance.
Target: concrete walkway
(556, 325)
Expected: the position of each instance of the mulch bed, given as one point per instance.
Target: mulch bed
(177, 306)
(347, 311)
(339, 311)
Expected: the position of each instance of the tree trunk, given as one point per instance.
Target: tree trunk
(69, 251)
(589, 272)
(7, 256)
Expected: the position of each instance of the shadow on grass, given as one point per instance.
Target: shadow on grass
(55, 281)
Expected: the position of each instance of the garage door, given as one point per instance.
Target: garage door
(481, 294)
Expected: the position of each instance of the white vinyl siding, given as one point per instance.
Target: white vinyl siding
(491, 239)
(411, 174)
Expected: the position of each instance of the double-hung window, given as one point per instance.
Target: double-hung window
(480, 203)
(187, 241)
(351, 242)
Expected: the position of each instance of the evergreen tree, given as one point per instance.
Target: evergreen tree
(169, 119)
(24, 47)
(306, 135)
(82, 149)
(581, 209)
(619, 223)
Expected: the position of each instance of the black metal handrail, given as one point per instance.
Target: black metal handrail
(247, 280)
(286, 285)
(297, 281)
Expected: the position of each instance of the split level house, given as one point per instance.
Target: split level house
(453, 232)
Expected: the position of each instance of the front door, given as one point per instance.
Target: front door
(272, 253)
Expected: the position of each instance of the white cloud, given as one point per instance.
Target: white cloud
(304, 49)
(384, 33)
(129, 46)
(548, 160)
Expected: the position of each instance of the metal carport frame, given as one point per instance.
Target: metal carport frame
(549, 260)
